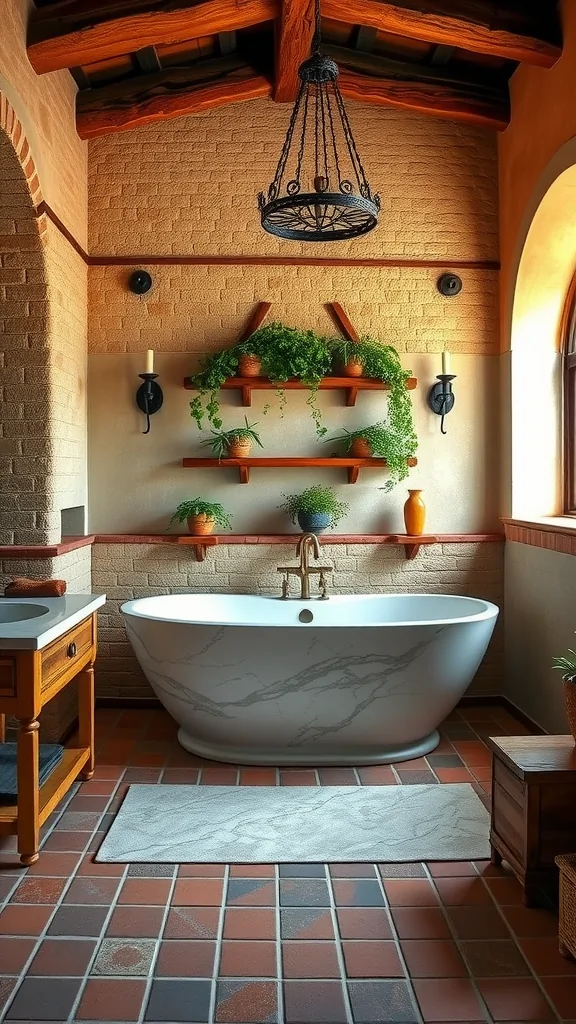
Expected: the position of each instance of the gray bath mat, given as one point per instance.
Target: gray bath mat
(297, 824)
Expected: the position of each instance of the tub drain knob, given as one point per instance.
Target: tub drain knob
(306, 615)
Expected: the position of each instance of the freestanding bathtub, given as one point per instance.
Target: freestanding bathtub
(350, 680)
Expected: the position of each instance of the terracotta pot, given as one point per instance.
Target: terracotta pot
(414, 514)
(200, 525)
(570, 704)
(353, 368)
(360, 448)
(239, 448)
(249, 366)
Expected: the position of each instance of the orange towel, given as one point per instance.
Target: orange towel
(24, 587)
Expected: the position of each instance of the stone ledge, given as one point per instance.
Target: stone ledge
(554, 533)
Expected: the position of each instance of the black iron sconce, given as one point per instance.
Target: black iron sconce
(149, 397)
(441, 397)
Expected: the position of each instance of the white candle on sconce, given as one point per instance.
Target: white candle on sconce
(445, 362)
(150, 361)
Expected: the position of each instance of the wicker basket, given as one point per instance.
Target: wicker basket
(567, 924)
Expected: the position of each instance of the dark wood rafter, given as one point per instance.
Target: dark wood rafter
(170, 93)
(484, 26)
(74, 32)
(428, 89)
(294, 31)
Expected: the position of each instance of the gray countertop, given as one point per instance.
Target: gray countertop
(48, 618)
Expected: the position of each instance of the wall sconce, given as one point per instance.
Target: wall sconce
(441, 397)
(149, 397)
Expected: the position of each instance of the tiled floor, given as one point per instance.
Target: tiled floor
(299, 944)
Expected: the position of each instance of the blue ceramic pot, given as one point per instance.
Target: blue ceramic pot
(314, 522)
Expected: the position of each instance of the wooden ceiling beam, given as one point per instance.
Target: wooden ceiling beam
(173, 92)
(483, 26)
(77, 32)
(294, 31)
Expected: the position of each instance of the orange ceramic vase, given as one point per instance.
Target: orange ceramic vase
(414, 514)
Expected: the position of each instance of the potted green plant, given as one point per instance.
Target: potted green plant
(315, 509)
(202, 516)
(214, 371)
(236, 443)
(567, 665)
(379, 441)
(379, 362)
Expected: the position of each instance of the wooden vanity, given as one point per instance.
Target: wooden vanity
(29, 678)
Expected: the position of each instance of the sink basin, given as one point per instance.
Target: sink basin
(15, 611)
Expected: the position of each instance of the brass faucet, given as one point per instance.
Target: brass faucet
(308, 542)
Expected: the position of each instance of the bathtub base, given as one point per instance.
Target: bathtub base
(290, 756)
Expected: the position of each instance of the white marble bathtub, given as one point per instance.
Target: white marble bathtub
(362, 680)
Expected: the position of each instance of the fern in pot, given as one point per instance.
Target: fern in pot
(202, 516)
(567, 665)
(315, 509)
(236, 443)
(379, 441)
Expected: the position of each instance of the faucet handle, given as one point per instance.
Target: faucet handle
(323, 586)
(285, 586)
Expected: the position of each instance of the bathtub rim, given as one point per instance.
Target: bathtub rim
(490, 611)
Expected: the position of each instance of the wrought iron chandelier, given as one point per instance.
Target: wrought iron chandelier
(320, 192)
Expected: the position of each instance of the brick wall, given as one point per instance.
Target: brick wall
(126, 571)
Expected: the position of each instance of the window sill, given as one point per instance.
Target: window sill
(555, 533)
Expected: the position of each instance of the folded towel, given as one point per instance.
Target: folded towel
(24, 587)
(50, 755)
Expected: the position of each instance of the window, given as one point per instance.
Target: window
(569, 417)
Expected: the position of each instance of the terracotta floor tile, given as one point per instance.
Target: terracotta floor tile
(88, 920)
(249, 923)
(186, 958)
(306, 923)
(451, 869)
(99, 889)
(367, 923)
(258, 776)
(110, 999)
(14, 953)
(189, 922)
(362, 892)
(478, 922)
(462, 891)
(298, 778)
(414, 764)
(416, 778)
(338, 777)
(135, 922)
(515, 999)
(85, 802)
(401, 870)
(438, 958)
(309, 960)
(38, 997)
(7, 986)
(198, 892)
(525, 922)
(218, 777)
(351, 870)
(544, 958)
(410, 892)
(452, 1000)
(88, 866)
(377, 775)
(180, 777)
(124, 957)
(19, 919)
(62, 956)
(66, 841)
(201, 870)
(251, 871)
(304, 892)
(365, 959)
(314, 1002)
(181, 999)
(562, 994)
(251, 892)
(303, 871)
(454, 775)
(505, 891)
(473, 752)
(57, 865)
(497, 958)
(420, 923)
(374, 1002)
(148, 892)
(244, 1002)
(36, 889)
(248, 959)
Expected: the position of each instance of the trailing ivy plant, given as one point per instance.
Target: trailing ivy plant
(315, 499)
(396, 448)
(214, 371)
(382, 362)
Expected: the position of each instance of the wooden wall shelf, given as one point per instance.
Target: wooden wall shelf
(412, 545)
(353, 466)
(351, 385)
(200, 544)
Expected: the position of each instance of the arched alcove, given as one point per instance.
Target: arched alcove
(26, 514)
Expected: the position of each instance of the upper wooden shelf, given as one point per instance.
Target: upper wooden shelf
(244, 465)
(351, 385)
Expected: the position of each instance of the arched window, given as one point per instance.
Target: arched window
(569, 414)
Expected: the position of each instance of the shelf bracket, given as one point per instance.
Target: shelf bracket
(353, 473)
(244, 474)
(200, 551)
(410, 551)
(246, 396)
(351, 395)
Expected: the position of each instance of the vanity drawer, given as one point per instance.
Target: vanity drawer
(65, 652)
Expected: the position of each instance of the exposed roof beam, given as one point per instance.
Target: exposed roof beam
(484, 26)
(147, 60)
(294, 31)
(422, 88)
(147, 98)
(75, 32)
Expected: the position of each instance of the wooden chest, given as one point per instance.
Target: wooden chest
(533, 807)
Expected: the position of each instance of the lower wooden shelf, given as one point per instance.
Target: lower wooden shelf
(412, 545)
(200, 544)
(353, 466)
(53, 789)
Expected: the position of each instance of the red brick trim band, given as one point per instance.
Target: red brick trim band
(10, 123)
(552, 536)
(71, 543)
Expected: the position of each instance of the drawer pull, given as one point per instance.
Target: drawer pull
(71, 652)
